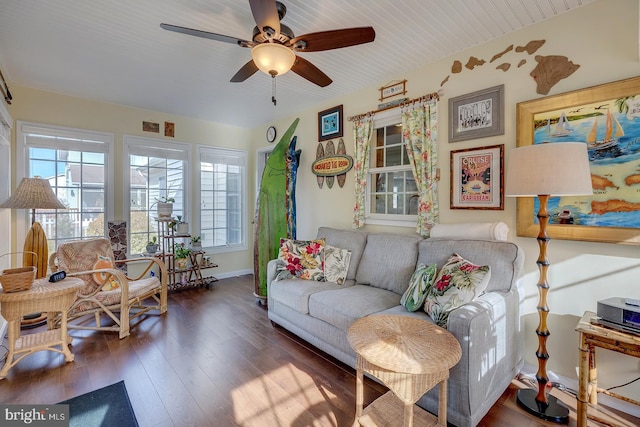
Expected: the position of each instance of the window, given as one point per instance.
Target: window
(223, 207)
(78, 166)
(392, 191)
(156, 169)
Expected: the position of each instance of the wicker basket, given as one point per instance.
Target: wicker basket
(18, 279)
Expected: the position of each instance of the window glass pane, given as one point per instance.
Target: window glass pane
(222, 197)
(394, 155)
(394, 135)
(153, 178)
(77, 178)
(392, 188)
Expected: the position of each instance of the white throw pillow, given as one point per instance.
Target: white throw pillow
(336, 264)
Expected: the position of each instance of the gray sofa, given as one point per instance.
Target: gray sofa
(488, 328)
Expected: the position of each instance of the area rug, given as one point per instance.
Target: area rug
(108, 406)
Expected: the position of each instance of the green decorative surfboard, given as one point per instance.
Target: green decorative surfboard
(270, 222)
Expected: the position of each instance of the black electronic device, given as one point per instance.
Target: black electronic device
(57, 276)
(620, 313)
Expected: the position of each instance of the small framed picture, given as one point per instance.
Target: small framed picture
(477, 115)
(330, 123)
(477, 178)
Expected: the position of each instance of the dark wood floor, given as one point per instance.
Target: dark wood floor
(216, 360)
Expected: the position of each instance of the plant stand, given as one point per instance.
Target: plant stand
(168, 237)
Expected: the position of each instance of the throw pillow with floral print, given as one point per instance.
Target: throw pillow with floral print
(458, 282)
(300, 259)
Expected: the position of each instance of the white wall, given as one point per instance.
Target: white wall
(603, 39)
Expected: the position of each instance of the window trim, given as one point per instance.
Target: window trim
(129, 141)
(23, 220)
(380, 120)
(245, 206)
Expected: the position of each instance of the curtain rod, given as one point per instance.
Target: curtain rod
(426, 97)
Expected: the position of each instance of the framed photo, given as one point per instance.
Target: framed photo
(607, 119)
(477, 115)
(477, 178)
(330, 123)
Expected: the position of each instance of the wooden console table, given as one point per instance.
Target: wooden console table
(43, 297)
(593, 335)
(410, 356)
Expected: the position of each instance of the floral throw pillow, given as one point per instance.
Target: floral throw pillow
(301, 259)
(336, 264)
(419, 285)
(458, 283)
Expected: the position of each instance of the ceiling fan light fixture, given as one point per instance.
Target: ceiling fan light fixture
(273, 58)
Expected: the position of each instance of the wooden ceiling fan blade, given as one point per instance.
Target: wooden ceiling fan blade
(306, 69)
(247, 70)
(265, 13)
(207, 35)
(332, 39)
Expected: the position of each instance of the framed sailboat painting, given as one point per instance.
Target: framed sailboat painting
(607, 119)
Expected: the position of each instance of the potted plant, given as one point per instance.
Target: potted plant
(196, 243)
(164, 206)
(182, 227)
(179, 226)
(152, 245)
(181, 253)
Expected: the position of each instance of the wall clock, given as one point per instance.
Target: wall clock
(271, 134)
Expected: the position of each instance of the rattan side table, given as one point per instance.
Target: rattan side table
(42, 297)
(408, 355)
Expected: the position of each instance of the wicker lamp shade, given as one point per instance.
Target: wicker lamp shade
(33, 193)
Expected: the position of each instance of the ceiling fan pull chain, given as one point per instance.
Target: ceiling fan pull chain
(273, 89)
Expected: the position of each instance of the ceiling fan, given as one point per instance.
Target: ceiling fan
(274, 45)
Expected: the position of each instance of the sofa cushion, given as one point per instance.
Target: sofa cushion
(353, 241)
(388, 261)
(300, 258)
(336, 264)
(419, 284)
(505, 258)
(341, 307)
(295, 293)
(458, 282)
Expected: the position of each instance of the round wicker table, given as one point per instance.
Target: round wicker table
(42, 297)
(408, 355)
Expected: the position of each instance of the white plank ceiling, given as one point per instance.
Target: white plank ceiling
(115, 50)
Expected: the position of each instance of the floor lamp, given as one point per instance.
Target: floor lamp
(544, 170)
(34, 193)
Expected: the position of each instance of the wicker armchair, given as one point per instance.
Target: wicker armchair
(107, 289)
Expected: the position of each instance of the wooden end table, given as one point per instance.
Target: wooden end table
(408, 355)
(593, 335)
(43, 297)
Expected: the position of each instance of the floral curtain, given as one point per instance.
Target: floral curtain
(362, 131)
(419, 132)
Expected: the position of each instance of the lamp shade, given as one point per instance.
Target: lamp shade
(553, 169)
(273, 58)
(33, 193)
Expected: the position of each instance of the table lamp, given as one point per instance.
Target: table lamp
(544, 170)
(34, 193)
